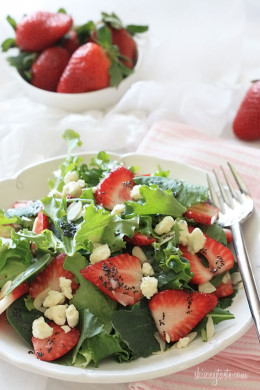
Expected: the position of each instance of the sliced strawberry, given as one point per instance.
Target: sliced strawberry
(49, 277)
(225, 288)
(201, 273)
(203, 213)
(57, 345)
(220, 258)
(228, 234)
(177, 312)
(140, 239)
(7, 300)
(41, 223)
(118, 277)
(115, 188)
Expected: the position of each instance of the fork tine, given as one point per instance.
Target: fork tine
(213, 194)
(231, 189)
(240, 183)
(221, 188)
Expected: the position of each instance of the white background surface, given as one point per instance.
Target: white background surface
(199, 59)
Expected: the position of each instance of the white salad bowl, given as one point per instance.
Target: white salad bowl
(31, 183)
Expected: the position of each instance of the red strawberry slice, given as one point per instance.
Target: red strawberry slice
(225, 288)
(201, 273)
(115, 188)
(7, 300)
(140, 239)
(49, 277)
(41, 29)
(203, 213)
(118, 277)
(41, 223)
(177, 312)
(57, 345)
(220, 258)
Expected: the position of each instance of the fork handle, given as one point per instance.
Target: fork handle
(247, 274)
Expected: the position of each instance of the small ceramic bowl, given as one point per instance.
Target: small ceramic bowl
(78, 102)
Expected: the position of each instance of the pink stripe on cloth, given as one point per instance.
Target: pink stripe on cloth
(238, 366)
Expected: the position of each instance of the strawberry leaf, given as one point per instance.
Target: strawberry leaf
(113, 20)
(9, 43)
(104, 36)
(11, 21)
(134, 29)
(115, 74)
(84, 31)
(23, 62)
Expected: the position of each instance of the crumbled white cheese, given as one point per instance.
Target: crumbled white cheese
(210, 328)
(100, 252)
(71, 176)
(147, 269)
(235, 278)
(135, 193)
(206, 287)
(149, 286)
(5, 288)
(164, 226)
(38, 301)
(65, 286)
(183, 233)
(118, 209)
(74, 211)
(72, 316)
(57, 314)
(54, 298)
(196, 241)
(226, 278)
(66, 328)
(55, 193)
(94, 190)
(184, 341)
(73, 189)
(40, 329)
(81, 183)
(138, 252)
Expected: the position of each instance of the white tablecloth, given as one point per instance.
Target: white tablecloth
(199, 58)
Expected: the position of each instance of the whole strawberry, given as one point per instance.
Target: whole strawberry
(70, 41)
(246, 125)
(48, 68)
(126, 45)
(87, 70)
(122, 37)
(41, 29)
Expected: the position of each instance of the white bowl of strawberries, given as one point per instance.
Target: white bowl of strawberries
(74, 68)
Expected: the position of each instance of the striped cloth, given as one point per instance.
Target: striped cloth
(238, 366)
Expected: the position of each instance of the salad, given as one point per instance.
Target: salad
(111, 264)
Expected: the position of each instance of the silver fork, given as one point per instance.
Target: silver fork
(235, 207)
